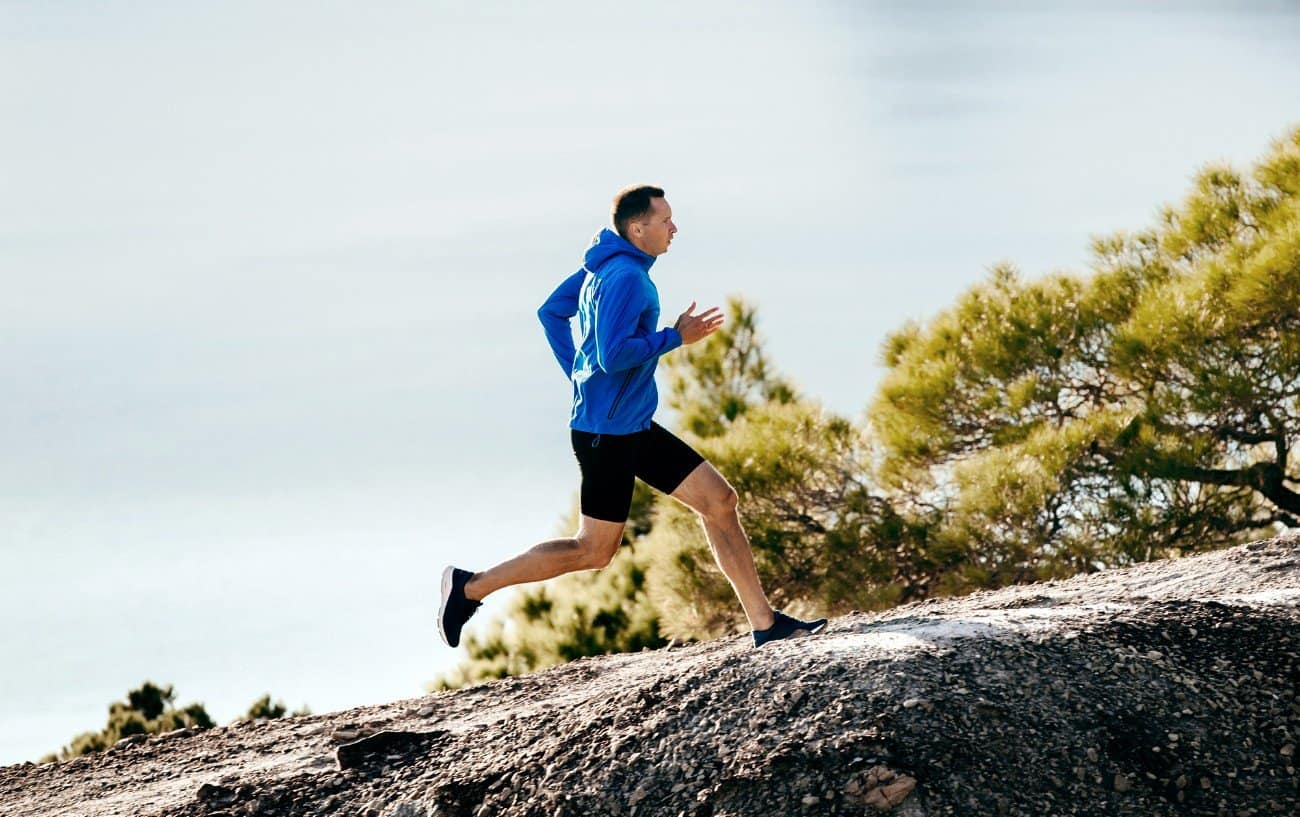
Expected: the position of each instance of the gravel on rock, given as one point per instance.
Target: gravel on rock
(1165, 688)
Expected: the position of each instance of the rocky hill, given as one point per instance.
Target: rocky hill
(1168, 688)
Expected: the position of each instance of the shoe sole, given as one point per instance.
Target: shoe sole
(442, 608)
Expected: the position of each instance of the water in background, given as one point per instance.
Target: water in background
(269, 355)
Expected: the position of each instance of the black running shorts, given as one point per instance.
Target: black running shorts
(611, 462)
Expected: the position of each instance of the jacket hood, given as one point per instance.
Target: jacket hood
(608, 244)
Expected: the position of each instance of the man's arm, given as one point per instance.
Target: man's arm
(620, 343)
(555, 315)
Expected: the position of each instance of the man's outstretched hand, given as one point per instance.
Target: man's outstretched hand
(698, 327)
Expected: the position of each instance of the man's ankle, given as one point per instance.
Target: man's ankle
(771, 621)
(469, 593)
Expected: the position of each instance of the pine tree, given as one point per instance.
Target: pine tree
(1144, 409)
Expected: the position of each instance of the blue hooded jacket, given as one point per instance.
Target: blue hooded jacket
(613, 367)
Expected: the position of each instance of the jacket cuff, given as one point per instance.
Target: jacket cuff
(674, 339)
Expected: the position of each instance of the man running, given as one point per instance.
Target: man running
(612, 431)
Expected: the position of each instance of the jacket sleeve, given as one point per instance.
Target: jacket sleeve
(555, 315)
(620, 343)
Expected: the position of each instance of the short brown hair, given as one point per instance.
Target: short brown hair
(631, 203)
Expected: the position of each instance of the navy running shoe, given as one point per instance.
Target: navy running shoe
(456, 609)
(786, 627)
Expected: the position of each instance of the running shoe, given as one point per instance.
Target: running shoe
(786, 627)
(456, 609)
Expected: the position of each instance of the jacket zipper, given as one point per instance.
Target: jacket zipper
(618, 398)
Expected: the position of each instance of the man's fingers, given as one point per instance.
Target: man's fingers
(705, 323)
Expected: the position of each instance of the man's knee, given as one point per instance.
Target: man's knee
(597, 553)
(599, 558)
(720, 504)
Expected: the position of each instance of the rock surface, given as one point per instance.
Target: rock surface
(1167, 688)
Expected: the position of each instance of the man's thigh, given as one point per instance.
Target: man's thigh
(607, 462)
(664, 461)
(706, 491)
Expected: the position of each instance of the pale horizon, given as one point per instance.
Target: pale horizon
(270, 351)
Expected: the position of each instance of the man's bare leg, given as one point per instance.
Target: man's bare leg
(595, 544)
(706, 492)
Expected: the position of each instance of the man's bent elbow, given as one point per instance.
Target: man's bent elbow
(617, 360)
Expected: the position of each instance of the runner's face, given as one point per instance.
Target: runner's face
(655, 232)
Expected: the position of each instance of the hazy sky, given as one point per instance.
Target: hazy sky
(267, 336)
